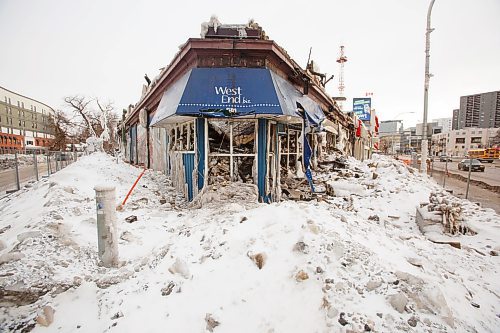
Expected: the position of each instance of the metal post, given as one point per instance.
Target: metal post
(468, 179)
(107, 232)
(48, 163)
(17, 172)
(423, 165)
(57, 162)
(35, 162)
(445, 171)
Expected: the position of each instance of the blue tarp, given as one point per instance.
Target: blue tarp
(293, 99)
(233, 92)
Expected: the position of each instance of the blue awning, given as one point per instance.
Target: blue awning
(231, 92)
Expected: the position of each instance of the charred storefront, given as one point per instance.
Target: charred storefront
(234, 107)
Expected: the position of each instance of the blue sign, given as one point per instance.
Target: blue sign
(362, 107)
(229, 91)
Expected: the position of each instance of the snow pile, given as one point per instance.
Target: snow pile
(225, 193)
(353, 262)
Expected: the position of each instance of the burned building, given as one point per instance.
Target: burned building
(233, 106)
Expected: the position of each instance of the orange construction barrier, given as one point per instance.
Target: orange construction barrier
(120, 207)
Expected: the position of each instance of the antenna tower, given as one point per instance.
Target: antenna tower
(341, 60)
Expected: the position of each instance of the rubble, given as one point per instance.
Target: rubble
(211, 322)
(373, 284)
(398, 302)
(412, 321)
(301, 276)
(11, 256)
(259, 259)
(46, 317)
(324, 238)
(233, 192)
(168, 289)
(180, 267)
(131, 219)
(450, 209)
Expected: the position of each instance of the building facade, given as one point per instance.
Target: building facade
(390, 127)
(24, 122)
(454, 121)
(459, 142)
(444, 123)
(480, 110)
(233, 106)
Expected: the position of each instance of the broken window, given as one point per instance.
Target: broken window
(191, 136)
(290, 150)
(218, 169)
(243, 167)
(181, 137)
(244, 138)
(232, 151)
(219, 137)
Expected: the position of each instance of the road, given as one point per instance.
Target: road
(490, 176)
(26, 173)
(485, 197)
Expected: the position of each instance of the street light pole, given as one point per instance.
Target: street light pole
(423, 165)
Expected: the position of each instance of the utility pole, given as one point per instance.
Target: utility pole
(423, 165)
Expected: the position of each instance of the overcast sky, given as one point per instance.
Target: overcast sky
(52, 48)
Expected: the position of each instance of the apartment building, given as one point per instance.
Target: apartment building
(454, 122)
(459, 142)
(480, 110)
(24, 122)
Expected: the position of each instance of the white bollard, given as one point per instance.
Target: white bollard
(107, 229)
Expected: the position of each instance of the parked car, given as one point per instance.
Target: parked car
(476, 165)
(444, 158)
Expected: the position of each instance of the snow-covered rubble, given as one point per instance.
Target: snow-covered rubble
(354, 261)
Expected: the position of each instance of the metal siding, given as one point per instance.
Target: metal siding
(133, 144)
(200, 157)
(188, 160)
(168, 166)
(261, 158)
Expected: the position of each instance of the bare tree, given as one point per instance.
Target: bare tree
(108, 122)
(67, 129)
(385, 144)
(97, 122)
(80, 105)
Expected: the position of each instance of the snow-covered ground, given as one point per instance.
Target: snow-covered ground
(351, 263)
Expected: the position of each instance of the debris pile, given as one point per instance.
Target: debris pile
(225, 193)
(451, 210)
(244, 257)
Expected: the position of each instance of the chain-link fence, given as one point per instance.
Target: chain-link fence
(19, 169)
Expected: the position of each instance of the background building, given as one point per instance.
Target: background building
(391, 126)
(480, 110)
(432, 128)
(459, 142)
(24, 122)
(390, 132)
(454, 122)
(444, 123)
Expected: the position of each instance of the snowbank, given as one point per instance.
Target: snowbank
(354, 262)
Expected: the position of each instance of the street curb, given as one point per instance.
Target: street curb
(479, 183)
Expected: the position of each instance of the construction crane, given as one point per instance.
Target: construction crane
(341, 60)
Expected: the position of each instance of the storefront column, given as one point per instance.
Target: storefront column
(262, 159)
